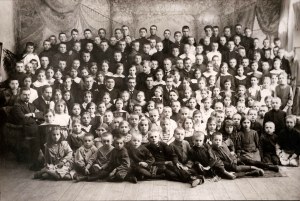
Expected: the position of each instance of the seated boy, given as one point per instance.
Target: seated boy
(203, 160)
(181, 148)
(84, 156)
(288, 147)
(267, 143)
(75, 139)
(163, 156)
(141, 158)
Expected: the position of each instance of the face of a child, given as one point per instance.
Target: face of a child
(165, 125)
(240, 71)
(86, 119)
(290, 123)
(49, 117)
(134, 120)
(56, 135)
(77, 128)
(100, 130)
(58, 75)
(220, 117)
(263, 111)
(197, 118)
(144, 126)
(106, 99)
(136, 141)
(207, 104)
(119, 143)
(108, 117)
(269, 128)
(198, 141)
(176, 107)
(106, 141)
(212, 126)
(188, 124)
(167, 112)
(67, 96)
(154, 116)
(124, 128)
(276, 104)
(246, 124)
(60, 108)
(88, 142)
(217, 141)
(154, 137)
(252, 115)
(76, 110)
(237, 119)
(192, 103)
(179, 135)
(173, 96)
(92, 109)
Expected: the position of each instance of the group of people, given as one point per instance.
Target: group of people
(130, 109)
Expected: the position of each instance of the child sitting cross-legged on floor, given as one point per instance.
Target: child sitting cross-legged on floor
(85, 156)
(141, 158)
(58, 158)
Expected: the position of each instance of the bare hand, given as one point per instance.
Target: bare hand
(143, 164)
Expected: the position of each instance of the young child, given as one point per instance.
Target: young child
(240, 78)
(158, 95)
(167, 130)
(230, 160)
(163, 156)
(41, 80)
(124, 131)
(255, 125)
(107, 100)
(85, 156)
(100, 130)
(254, 89)
(134, 121)
(75, 112)
(75, 139)
(154, 118)
(284, 92)
(211, 128)
(188, 126)
(58, 158)
(204, 161)
(87, 98)
(268, 141)
(265, 89)
(119, 112)
(288, 145)
(62, 118)
(85, 122)
(206, 110)
(144, 127)
(141, 158)
(181, 148)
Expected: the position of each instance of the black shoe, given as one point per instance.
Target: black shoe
(202, 179)
(160, 176)
(79, 178)
(274, 168)
(133, 179)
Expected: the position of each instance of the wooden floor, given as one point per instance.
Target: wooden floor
(16, 184)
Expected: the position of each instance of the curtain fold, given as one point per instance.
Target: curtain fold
(268, 14)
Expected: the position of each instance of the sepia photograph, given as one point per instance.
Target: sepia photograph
(149, 100)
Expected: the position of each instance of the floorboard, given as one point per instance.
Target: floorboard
(16, 184)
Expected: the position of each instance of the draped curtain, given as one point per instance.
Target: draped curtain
(268, 14)
(38, 19)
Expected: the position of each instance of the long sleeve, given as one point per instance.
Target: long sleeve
(67, 152)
